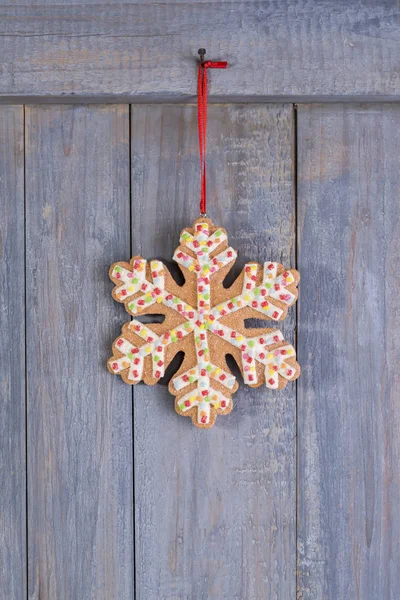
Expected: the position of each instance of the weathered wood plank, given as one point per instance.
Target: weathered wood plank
(12, 356)
(286, 48)
(215, 509)
(349, 341)
(79, 417)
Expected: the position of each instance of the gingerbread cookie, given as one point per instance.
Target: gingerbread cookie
(206, 321)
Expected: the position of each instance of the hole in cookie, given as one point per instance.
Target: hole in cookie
(257, 323)
(149, 319)
(175, 271)
(172, 368)
(233, 367)
(231, 276)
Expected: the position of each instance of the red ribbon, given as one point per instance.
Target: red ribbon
(202, 124)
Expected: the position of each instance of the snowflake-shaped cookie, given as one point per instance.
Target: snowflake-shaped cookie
(206, 321)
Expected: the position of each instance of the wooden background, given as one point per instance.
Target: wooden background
(105, 492)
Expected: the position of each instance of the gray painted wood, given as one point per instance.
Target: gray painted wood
(286, 48)
(348, 395)
(215, 509)
(80, 527)
(12, 356)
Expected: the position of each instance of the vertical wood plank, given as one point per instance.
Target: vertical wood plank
(12, 356)
(79, 418)
(349, 347)
(215, 509)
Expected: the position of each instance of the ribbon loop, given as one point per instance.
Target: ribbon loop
(202, 124)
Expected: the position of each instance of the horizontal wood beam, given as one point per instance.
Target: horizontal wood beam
(129, 51)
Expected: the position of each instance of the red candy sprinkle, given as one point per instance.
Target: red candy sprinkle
(204, 419)
(115, 366)
(275, 314)
(187, 402)
(270, 267)
(271, 381)
(223, 404)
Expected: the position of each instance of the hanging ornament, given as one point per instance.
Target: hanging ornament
(202, 318)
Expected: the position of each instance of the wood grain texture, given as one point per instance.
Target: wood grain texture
(12, 356)
(349, 348)
(79, 417)
(286, 48)
(215, 509)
